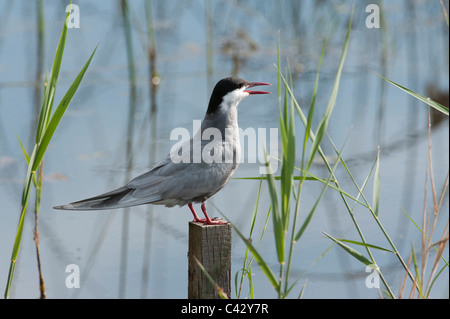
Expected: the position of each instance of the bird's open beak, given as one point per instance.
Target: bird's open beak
(252, 84)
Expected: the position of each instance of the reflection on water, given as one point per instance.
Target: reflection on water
(155, 67)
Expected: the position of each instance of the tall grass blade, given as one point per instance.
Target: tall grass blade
(444, 11)
(418, 96)
(313, 102)
(376, 186)
(426, 237)
(417, 280)
(364, 184)
(219, 290)
(246, 270)
(365, 245)
(288, 160)
(321, 130)
(45, 129)
(261, 262)
(323, 124)
(276, 214)
(17, 240)
(300, 295)
(59, 112)
(351, 251)
(327, 183)
(50, 87)
(434, 280)
(27, 157)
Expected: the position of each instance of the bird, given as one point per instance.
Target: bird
(188, 178)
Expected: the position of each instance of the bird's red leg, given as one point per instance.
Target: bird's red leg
(196, 218)
(209, 221)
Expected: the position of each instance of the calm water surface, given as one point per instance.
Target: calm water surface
(114, 131)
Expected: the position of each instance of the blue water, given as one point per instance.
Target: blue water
(142, 252)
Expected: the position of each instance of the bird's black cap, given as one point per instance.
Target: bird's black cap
(226, 85)
(222, 88)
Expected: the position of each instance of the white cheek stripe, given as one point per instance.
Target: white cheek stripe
(232, 99)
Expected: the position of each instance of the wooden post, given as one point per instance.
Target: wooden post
(211, 246)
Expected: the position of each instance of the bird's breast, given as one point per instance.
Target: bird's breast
(221, 151)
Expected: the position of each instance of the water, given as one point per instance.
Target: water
(141, 252)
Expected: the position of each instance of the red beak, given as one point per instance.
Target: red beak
(252, 84)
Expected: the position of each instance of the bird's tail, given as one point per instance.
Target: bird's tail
(104, 201)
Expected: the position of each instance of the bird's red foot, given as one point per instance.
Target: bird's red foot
(207, 220)
(216, 222)
(213, 221)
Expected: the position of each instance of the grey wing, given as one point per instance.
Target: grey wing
(168, 183)
(181, 183)
(146, 186)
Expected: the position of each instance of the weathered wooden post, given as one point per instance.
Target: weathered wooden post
(210, 245)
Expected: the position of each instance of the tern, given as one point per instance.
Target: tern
(203, 169)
